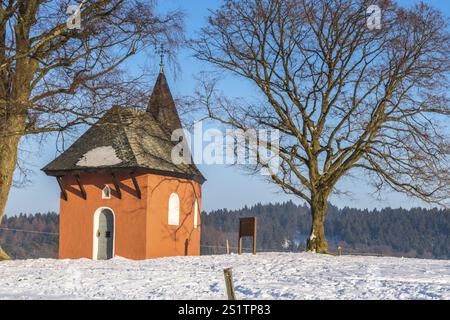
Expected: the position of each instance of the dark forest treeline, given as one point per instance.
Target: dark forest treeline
(417, 232)
(22, 245)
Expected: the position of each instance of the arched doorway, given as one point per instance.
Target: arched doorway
(103, 234)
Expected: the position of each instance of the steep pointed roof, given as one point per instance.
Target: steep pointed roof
(124, 139)
(162, 106)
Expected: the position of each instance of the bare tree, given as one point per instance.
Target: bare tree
(54, 77)
(345, 98)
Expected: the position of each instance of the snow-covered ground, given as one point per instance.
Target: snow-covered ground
(265, 276)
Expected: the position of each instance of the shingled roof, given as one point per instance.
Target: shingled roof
(126, 139)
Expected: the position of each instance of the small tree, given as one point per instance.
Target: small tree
(345, 98)
(54, 76)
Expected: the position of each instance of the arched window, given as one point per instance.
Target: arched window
(106, 192)
(196, 214)
(174, 210)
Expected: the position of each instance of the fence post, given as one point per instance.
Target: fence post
(229, 283)
(240, 246)
(228, 247)
(254, 237)
(339, 251)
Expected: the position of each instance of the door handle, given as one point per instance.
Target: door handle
(98, 234)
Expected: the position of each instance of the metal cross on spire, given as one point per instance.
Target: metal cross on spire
(162, 52)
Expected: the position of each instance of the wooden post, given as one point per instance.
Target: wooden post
(116, 185)
(228, 273)
(80, 185)
(61, 186)
(240, 246)
(136, 186)
(254, 238)
(228, 247)
(339, 253)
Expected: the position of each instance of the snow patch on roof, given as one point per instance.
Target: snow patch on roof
(99, 157)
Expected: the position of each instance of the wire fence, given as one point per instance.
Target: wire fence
(216, 248)
(29, 231)
(247, 248)
(211, 249)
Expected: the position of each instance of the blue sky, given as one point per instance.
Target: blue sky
(227, 187)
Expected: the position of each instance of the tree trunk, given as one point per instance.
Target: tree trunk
(3, 255)
(316, 241)
(8, 160)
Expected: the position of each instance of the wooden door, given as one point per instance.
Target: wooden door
(105, 235)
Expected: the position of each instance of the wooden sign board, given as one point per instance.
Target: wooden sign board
(247, 228)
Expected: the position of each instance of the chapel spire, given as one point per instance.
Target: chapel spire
(161, 104)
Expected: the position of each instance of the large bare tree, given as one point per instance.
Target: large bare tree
(346, 99)
(54, 76)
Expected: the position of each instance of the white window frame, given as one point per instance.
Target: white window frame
(104, 196)
(196, 214)
(174, 210)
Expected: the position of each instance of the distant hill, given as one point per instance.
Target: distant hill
(420, 233)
